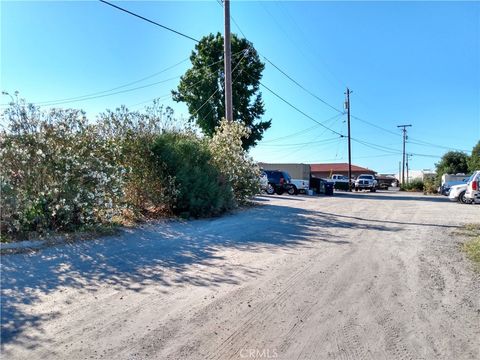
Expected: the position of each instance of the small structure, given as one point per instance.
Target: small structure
(326, 170)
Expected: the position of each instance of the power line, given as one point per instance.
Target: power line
(270, 90)
(148, 20)
(105, 93)
(324, 144)
(284, 73)
(411, 140)
(245, 52)
(301, 132)
(114, 93)
(427, 144)
(115, 88)
(301, 86)
(376, 126)
(298, 144)
(390, 150)
(313, 51)
(300, 111)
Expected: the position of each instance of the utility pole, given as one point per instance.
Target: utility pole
(407, 166)
(404, 140)
(228, 62)
(399, 171)
(408, 158)
(347, 104)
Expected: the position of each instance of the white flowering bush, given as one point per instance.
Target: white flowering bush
(57, 172)
(233, 161)
(146, 189)
(60, 173)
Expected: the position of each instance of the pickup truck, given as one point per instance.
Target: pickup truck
(366, 182)
(339, 178)
(340, 182)
(299, 186)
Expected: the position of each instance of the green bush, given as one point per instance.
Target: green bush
(135, 133)
(430, 185)
(199, 189)
(415, 185)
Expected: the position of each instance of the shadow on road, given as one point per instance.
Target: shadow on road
(159, 253)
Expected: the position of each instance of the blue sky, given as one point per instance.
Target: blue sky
(406, 62)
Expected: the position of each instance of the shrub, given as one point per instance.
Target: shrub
(430, 185)
(199, 189)
(232, 160)
(414, 185)
(135, 133)
(56, 173)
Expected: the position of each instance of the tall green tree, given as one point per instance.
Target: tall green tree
(474, 159)
(452, 162)
(202, 87)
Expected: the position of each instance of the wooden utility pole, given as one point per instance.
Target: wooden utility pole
(404, 140)
(408, 158)
(349, 143)
(228, 62)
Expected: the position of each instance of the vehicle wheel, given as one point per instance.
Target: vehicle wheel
(270, 190)
(462, 199)
(356, 189)
(293, 190)
(279, 191)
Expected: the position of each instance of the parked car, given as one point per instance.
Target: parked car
(279, 182)
(457, 193)
(340, 182)
(444, 189)
(472, 193)
(366, 182)
(263, 180)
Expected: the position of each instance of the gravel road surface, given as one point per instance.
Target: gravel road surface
(354, 276)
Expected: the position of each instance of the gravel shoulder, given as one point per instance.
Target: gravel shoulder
(354, 276)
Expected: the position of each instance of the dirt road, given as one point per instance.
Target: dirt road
(360, 276)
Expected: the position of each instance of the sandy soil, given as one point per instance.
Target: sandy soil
(354, 276)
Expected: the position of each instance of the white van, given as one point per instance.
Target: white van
(473, 187)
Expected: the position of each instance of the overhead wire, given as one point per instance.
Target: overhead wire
(273, 92)
(115, 88)
(245, 52)
(302, 87)
(303, 143)
(109, 92)
(148, 20)
(300, 111)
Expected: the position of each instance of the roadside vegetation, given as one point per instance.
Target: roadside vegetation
(414, 185)
(472, 245)
(62, 173)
